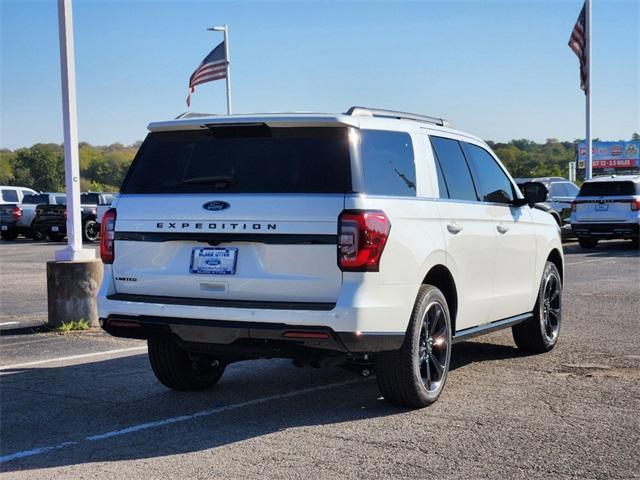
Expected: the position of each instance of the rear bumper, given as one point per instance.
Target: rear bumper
(249, 338)
(46, 227)
(605, 230)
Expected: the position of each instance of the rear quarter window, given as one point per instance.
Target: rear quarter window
(388, 163)
(243, 159)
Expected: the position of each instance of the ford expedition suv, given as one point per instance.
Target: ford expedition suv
(371, 240)
(607, 208)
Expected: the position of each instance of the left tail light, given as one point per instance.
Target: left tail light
(107, 236)
(16, 213)
(362, 236)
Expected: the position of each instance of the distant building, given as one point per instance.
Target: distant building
(611, 157)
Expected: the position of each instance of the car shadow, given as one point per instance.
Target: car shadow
(46, 407)
(605, 249)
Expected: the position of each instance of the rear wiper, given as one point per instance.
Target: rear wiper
(219, 181)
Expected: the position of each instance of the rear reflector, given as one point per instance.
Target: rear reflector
(124, 324)
(302, 334)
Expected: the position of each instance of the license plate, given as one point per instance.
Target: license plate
(4, 228)
(55, 228)
(602, 206)
(214, 261)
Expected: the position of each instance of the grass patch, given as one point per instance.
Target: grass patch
(73, 326)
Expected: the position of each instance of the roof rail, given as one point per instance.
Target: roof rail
(194, 115)
(377, 112)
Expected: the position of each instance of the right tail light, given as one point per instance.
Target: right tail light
(635, 205)
(107, 236)
(362, 236)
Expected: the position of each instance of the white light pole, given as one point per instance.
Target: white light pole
(225, 30)
(588, 163)
(74, 250)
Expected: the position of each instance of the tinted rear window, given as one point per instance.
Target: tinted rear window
(89, 198)
(608, 189)
(35, 199)
(242, 159)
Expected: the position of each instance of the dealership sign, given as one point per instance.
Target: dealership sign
(625, 155)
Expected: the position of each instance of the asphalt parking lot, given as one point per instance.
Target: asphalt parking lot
(86, 405)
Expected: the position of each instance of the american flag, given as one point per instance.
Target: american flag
(577, 43)
(213, 67)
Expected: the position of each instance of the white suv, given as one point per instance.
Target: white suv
(607, 208)
(372, 240)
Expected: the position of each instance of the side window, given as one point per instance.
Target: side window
(557, 190)
(442, 184)
(493, 183)
(454, 168)
(570, 189)
(10, 196)
(388, 163)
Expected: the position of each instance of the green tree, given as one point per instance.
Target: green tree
(40, 167)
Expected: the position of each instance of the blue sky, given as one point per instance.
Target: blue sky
(500, 70)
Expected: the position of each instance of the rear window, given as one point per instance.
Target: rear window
(608, 189)
(36, 199)
(89, 199)
(242, 159)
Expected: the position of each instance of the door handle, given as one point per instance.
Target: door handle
(502, 228)
(454, 228)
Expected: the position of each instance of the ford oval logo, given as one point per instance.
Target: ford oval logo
(215, 206)
(213, 261)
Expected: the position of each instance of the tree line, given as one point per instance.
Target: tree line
(102, 168)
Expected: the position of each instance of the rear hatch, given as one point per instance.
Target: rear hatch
(609, 201)
(240, 212)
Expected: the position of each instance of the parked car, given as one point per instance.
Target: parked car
(105, 204)
(607, 207)
(371, 240)
(12, 194)
(51, 220)
(18, 219)
(560, 194)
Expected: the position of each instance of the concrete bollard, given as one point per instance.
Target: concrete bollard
(71, 291)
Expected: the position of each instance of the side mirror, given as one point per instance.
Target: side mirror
(534, 192)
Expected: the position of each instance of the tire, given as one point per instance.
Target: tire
(415, 375)
(9, 235)
(174, 369)
(56, 237)
(588, 242)
(90, 231)
(540, 333)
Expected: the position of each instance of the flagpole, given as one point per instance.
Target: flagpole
(228, 79)
(225, 30)
(588, 163)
